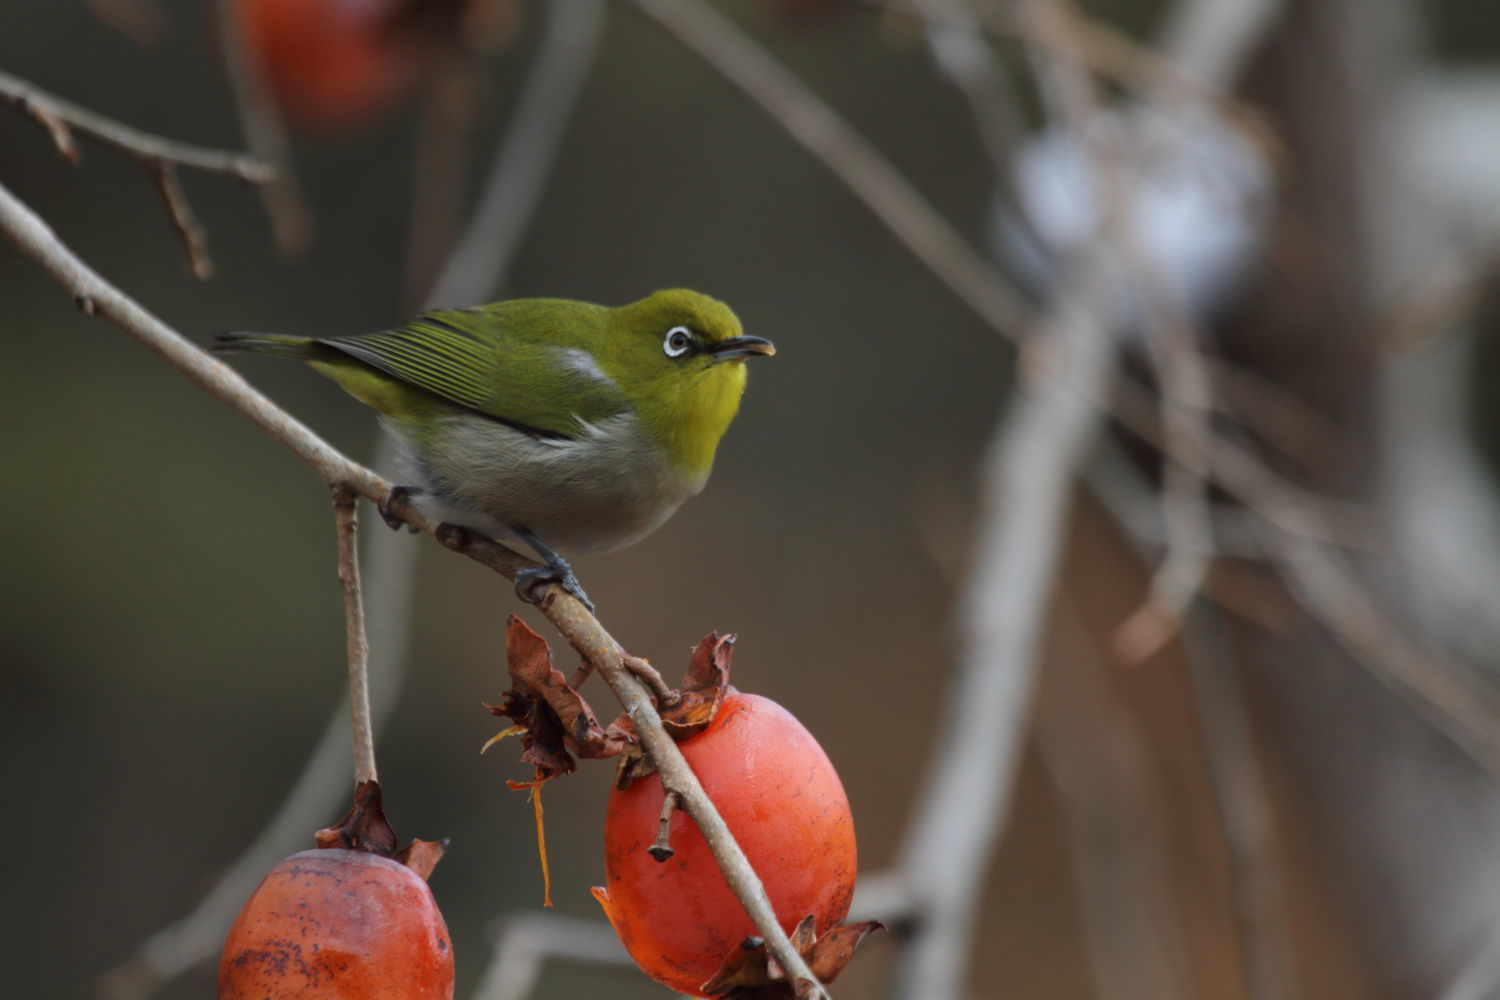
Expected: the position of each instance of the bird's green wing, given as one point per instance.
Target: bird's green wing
(503, 366)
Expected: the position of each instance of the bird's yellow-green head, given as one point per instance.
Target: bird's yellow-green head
(678, 358)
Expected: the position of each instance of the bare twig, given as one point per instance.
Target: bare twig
(1296, 532)
(358, 646)
(1186, 409)
(1116, 163)
(61, 117)
(661, 848)
(1027, 483)
(265, 133)
(1275, 414)
(159, 156)
(1241, 799)
(1104, 49)
(871, 178)
(34, 238)
(1031, 468)
(1457, 703)
(959, 50)
(189, 229)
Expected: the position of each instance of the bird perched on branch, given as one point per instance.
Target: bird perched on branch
(565, 425)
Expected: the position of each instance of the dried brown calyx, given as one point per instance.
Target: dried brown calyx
(750, 972)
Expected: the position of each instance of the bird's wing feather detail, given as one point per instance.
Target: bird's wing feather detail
(470, 358)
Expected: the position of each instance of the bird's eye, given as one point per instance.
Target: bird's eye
(679, 339)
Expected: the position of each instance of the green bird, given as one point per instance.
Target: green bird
(569, 426)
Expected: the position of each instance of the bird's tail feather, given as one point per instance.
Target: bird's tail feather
(274, 344)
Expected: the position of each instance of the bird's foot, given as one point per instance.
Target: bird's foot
(453, 536)
(397, 497)
(556, 571)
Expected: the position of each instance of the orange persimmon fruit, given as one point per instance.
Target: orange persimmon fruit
(785, 805)
(335, 924)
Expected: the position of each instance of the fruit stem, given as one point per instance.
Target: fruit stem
(359, 647)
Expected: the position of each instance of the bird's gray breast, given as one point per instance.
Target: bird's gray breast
(602, 489)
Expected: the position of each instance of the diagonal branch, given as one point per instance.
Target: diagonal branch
(582, 630)
(848, 154)
(61, 118)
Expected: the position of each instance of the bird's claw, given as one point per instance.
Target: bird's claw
(555, 571)
(559, 573)
(397, 497)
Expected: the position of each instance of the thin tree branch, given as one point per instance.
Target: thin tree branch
(814, 124)
(1116, 163)
(958, 48)
(61, 118)
(1026, 486)
(189, 229)
(1458, 704)
(159, 156)
(34, 238)
(358, 646)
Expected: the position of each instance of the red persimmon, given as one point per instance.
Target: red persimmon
(782, 800)
(330, 63)
(338, 924)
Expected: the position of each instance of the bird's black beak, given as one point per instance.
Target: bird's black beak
(740, 347)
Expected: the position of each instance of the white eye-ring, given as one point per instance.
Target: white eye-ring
(679, 339)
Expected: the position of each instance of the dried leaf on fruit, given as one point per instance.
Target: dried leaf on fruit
(703, 687)
(557, 722)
